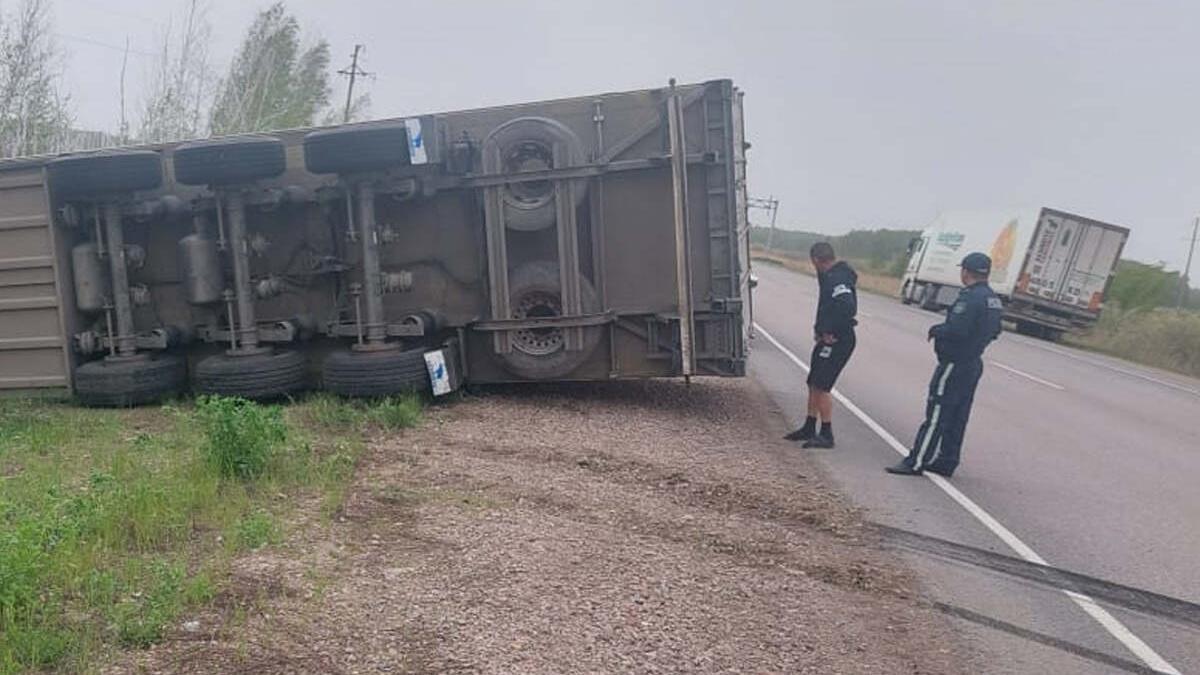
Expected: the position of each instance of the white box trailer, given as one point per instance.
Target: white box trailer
(1051, 268)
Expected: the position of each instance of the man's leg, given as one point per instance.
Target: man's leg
(809, 429)
(932, 427)
(946, 457)
(824, 405)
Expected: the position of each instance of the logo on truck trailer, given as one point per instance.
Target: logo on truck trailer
(951, 240)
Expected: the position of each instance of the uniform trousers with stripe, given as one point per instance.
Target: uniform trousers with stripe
(947, 410)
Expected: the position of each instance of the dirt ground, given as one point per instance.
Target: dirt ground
(621, 527)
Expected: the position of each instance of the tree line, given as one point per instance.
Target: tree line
(1135, 286)
(275, 80)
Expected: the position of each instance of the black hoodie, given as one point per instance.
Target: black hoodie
(838, 303)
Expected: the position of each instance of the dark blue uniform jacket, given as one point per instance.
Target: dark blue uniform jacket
(971, 325)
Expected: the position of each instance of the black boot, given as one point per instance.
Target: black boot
(805, 432)
(903, 469)
(819, 441)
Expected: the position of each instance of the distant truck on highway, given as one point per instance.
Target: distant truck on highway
(1051, 268)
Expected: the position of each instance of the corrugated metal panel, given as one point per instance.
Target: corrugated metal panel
(31, 334)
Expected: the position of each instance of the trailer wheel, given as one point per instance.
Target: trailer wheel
(381, 373)
(1039, 331)
(527, 144)
(98, 174)
(264, 376)
(906, 293)
(229, 161)
(541, 354)
(355, 149)
(122, 383)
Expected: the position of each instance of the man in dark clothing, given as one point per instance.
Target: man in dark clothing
(971, 325)
(834, 334)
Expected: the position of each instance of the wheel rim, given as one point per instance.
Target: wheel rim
(538, 341)
(524, 157)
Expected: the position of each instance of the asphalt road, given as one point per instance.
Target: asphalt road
(1092, 462)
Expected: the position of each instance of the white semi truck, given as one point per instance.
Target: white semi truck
(1051, 268)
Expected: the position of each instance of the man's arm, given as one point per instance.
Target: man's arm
(962, 317)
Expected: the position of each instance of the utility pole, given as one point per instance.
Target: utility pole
(1184, 281)
(770, 204)
(353, 72)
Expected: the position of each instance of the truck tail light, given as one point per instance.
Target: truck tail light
(1096, 302)
(1023, 283)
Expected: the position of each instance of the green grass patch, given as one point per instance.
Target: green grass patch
(115, 523)
(1163, 338)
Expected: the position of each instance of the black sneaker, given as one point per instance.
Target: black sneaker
(801, 434)
(940, 472)
(903, 469)
(819, 441)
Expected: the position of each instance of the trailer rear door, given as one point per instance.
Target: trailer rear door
(32, 346)
(1072, 259)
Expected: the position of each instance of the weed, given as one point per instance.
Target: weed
(332, 412)
(397, 412)
(255, 531)
(241, 435)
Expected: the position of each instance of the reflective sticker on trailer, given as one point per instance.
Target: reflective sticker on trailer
(439, 377)
(416, 142)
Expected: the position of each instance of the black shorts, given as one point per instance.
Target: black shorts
(828, 361)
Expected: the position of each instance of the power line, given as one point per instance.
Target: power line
(353, 72)
(105, 45)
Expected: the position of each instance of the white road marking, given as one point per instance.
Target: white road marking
(1115, 369)
(1027, 376)
(1102, 616)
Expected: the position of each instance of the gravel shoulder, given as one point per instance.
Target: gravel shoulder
(621, 527)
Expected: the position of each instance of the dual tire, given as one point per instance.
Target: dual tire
(263, 376)
(123, 383)
(376, 374)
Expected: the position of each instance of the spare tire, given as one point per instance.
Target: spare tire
(541, 353)
(378, 373)
(527, 144)
(98, 174)
(356, 149)
(265, 376)
(121, 383)
(229, 161)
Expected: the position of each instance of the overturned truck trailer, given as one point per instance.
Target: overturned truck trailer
(582, 239)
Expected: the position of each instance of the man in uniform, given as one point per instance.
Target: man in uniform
(835, 340)
(970, 326)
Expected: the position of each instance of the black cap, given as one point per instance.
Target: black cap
(977, 263)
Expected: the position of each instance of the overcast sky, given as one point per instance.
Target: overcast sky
(862, 114)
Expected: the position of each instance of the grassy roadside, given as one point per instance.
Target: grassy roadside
(870, 279)
(113, 523)
(1161, 338)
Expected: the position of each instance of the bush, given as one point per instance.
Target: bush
(1165, 338)
(241, 436)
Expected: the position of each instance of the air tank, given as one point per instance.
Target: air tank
(92, 287)
(203, 279)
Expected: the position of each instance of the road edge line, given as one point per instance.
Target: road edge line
(1110, 623)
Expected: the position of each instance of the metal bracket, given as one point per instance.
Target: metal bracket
(569, 322)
